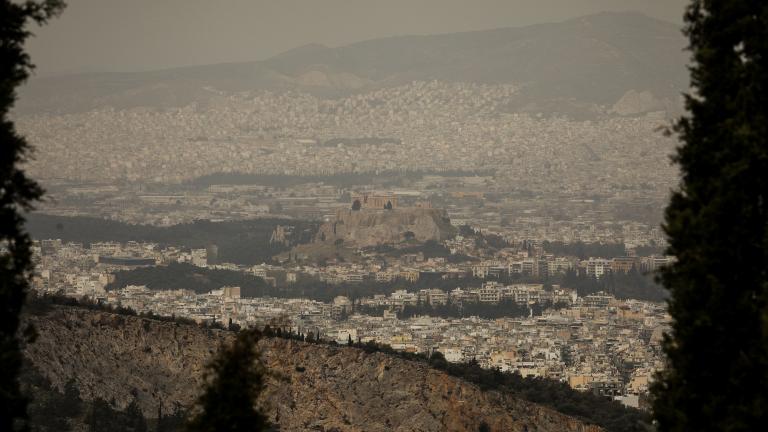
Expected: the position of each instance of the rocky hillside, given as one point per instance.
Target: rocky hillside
(368, 227)
(316, 387)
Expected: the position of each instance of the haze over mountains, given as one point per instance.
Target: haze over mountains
(598, 59)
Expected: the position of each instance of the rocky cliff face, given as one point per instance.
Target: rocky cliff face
(368, 227)
(316, 387)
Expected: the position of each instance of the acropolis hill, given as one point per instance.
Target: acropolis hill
(377, 219)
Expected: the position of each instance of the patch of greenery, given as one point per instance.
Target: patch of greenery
(505, 308)
(241, 242)
(187, 276)
(632, 285)
(583, 250)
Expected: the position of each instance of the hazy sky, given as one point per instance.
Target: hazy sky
(129, 35)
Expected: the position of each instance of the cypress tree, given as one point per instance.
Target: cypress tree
(17, 193)
(134, 419)
(717, 223)
(235, 378)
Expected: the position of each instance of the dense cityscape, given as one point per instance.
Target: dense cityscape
(424, 126)
(530, 227)
(593, 341)
(522, 180)
(544, 269)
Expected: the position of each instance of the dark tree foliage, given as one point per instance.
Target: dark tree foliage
(51, 410)
(171, 423)
(235, 378)
(717, 223)
(17, 193)
(240, 242)
(505, 308)
(585, 250)
(437, 360)
(493, 241)
(201, 280)
(103, 416)
(186, 276)
(134, 419)
(630, 285)
(649, 250)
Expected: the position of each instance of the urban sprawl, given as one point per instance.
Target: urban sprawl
(510, 182)
(594, 342)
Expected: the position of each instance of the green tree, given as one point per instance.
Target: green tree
(134, 419)
(437, 360)
(101, 416)
(235, 378)
(565, 355)
(52, 411)
(717, 223)
(171, 423)
(17, 193)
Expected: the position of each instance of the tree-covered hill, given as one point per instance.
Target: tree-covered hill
(241, 242)
(186, 276)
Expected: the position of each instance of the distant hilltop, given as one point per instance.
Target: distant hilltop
(385, 201)
(569, 65)
(378, 219)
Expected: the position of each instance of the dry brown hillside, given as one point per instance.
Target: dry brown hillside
(323, 388)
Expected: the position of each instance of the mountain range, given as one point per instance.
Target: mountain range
(592, 60)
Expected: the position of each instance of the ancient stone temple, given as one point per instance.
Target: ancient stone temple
(374, 201)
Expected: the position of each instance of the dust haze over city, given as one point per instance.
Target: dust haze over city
(440, 215)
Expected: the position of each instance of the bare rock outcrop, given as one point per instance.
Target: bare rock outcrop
(637, 102)
(369, 227)
(315, 387)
